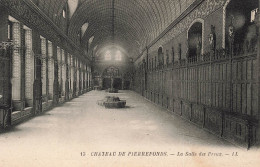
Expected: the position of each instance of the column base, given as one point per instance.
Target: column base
(28, 102)
(18, 105)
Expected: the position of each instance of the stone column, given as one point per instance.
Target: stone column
(37, 84)
(29, 68)
(78, 77)
(59, 70)
(56, 75)
(44, 67)
(63, 71)
(16, 68)
(258, 61)
(72, 75)
(86, 79)
(50, 70)
(67, 76)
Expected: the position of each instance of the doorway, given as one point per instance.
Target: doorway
(195, 40)
(117, 83)
(127, 85)
(106, 83)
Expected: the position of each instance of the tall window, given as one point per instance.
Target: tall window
(118, 56)
(108, 56)
(195, 39)
(253, 14)
(10, 35)
(63, 13)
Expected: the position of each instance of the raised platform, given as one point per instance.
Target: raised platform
(112, 102)
(19, 116)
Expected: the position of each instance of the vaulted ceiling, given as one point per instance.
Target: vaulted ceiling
(130, 24)
(52, 8)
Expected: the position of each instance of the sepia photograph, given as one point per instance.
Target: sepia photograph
(129, 83)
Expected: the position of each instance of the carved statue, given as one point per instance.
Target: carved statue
(231, 35)
(167, 57)
(155, 63)
(212, 38)
(180, 51)
(173, 56)
(162, 60)
(198, 47)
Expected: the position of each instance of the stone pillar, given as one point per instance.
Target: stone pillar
(63, 71)
(75, 77)
(67, 76)
(258, 60)
(50, 70)
(86, 78)
(44, 69)
(56, 75)
(22, 53)
(16, 68)
(72, 75)
(59, 70)
(78, 77)
(29, 68)
(37, 84)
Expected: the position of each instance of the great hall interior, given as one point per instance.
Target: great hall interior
(182, 66)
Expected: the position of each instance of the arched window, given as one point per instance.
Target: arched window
(195, 40)
(64, 13)
(118, 56)
(83, 29)
(108, 56)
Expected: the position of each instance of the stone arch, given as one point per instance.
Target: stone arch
(201, 21)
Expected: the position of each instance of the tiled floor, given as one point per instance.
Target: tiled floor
(71, 134)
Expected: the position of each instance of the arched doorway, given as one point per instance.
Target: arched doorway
(195, 40)
(106, 83)
(111, 78)
(117, 83)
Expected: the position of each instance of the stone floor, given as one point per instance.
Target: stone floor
(76, 132)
